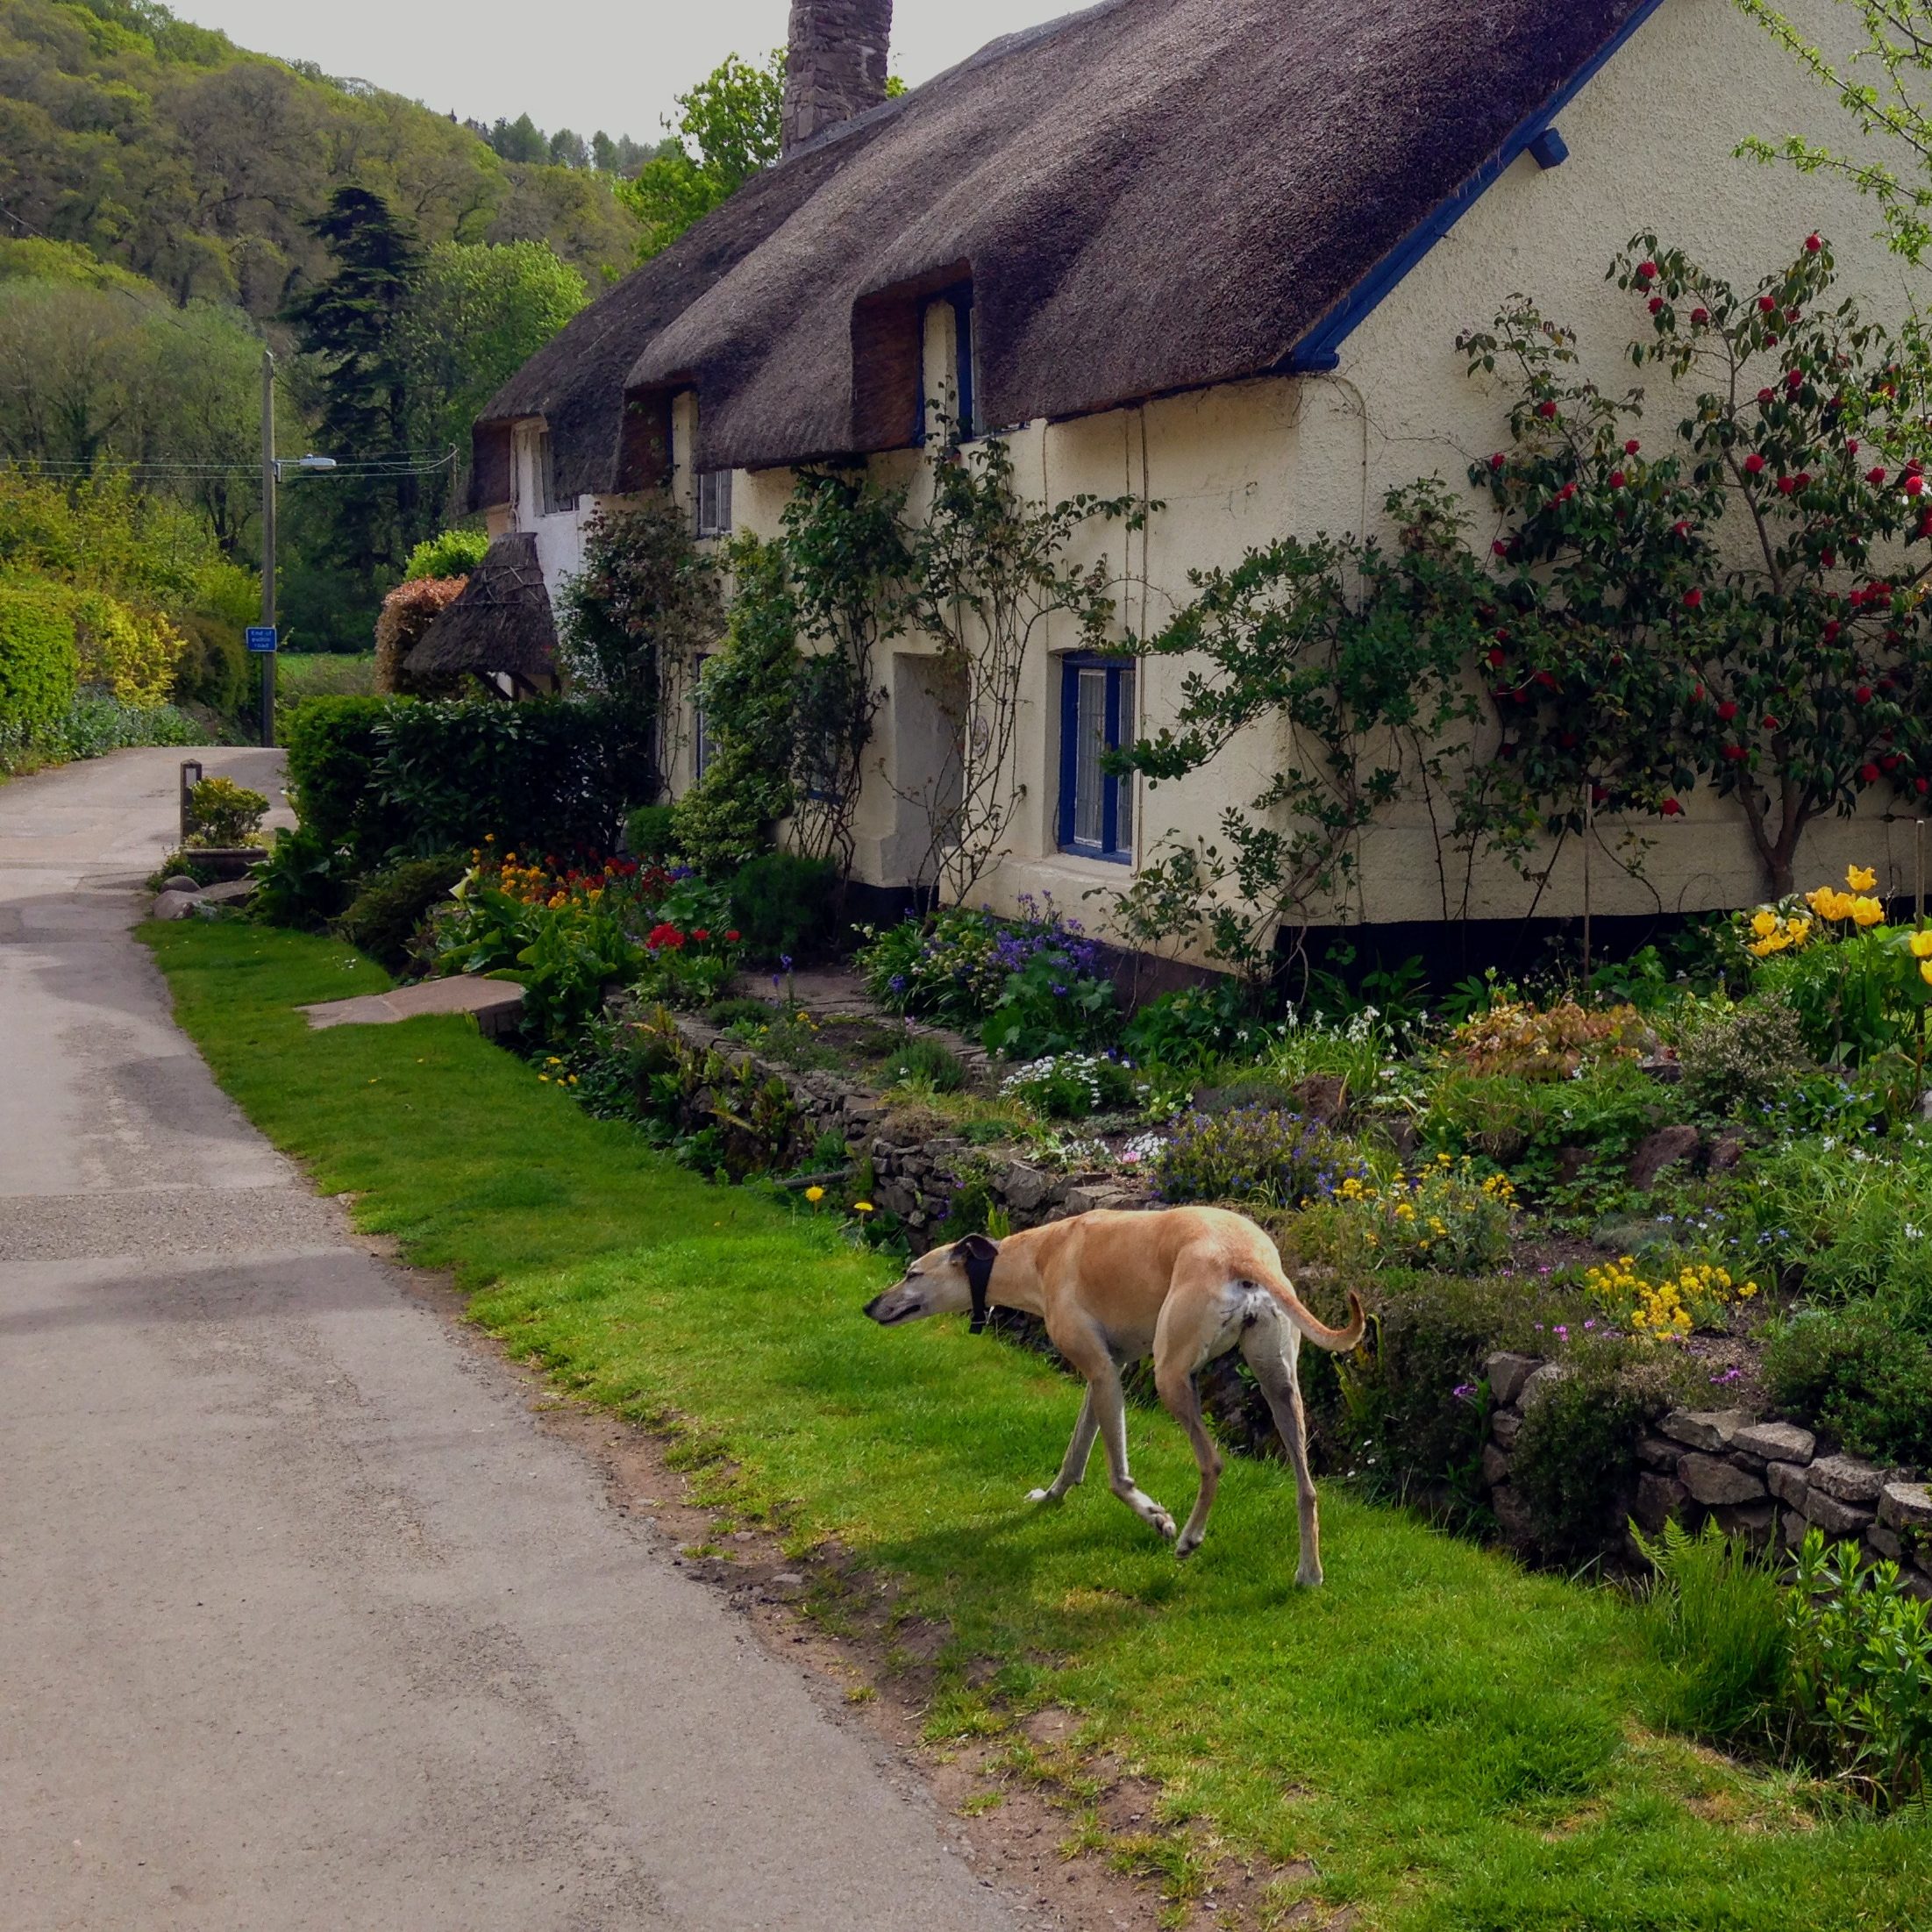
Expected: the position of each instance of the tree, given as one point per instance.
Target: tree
(353, 326)
(727, 129)
(519, 140)
(1897, 55)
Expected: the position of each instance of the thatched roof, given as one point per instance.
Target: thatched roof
(502, 622)
(575, 381)
(1148, 196)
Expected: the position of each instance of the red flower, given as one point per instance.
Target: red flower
(1812, 245)
(1770, 342)
(1616, 478)
(1646, 269)
(1786, 485)
(1499, 547)
(1670, 808)
(1734, 752)
(1699, 317)
(1692, 599)
(1681, 527)
(730, 938)
(1754, 465)
(1795, 379)
(1497, 659)
(1768, 304)
(1771, 724)
(1830, 631)
(664, 935)
(1632, 447)
(1495, 461)
(1546, 409)
(1863, 694)
(1851, 447)
(700, 934)
(1869, 773)
(1697, 694)
(1829, 559)
(1767, 395)
(1803, 479)
(1874, 476)
(1890, 762)
(1726, 711)
(1657, 305)
(1913, 485)
(1920, 785)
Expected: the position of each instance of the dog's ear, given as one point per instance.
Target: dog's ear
(975, 1247)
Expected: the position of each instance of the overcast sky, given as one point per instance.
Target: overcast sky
(584, 64)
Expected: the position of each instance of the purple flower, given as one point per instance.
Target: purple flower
(898, 982)
(1563, 1331)
(1463, 1390)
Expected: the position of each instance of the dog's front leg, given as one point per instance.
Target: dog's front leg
(1079, 1452)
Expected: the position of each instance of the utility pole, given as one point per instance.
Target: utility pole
(268, 480)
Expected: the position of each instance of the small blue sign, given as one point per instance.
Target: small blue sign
(260, 637)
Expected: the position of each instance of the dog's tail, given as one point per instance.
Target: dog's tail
(1336, 1341)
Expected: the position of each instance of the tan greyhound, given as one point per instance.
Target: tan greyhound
(1185, 1285)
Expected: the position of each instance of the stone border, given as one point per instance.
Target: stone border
(1762, 1480)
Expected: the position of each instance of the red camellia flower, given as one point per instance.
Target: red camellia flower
(1874, 476)
(1646, 269)
(1754, 465)
(1670, 808)
(1852, 448)
(1803, 479)
(1768, 304)
(1771, 724)
(1497, 658)
(1697, 694)
(1616, 478)
(1767, 395)
(1726, 711)
(1546, 409)
(1692, 599)
(1734, 752)
(1863, 694)
(1890, 762)
(1829, 559)
(1795, 379)
(1632, 447)
(1786, 485)
(1495, 461)
(1869, 773)
(700, 934)
(1770, 342)
(1920, 785)
(1812, 245)
(1657, 305)
(1499, 547)
(1830, 631)
(1699, 317)
(732, 939)
(1681, 528)
(1913, 485)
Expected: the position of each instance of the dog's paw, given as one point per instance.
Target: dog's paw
(1164, 1525)
(1046, 1495)
(1186, 1546)
(1308, 1579)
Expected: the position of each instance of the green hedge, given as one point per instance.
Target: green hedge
(388, 778)
(40, 663)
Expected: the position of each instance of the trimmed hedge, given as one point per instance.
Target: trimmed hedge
(389, 778)
(39, 662)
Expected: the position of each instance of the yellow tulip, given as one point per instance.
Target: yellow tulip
(1867, 912)
(1764, 924)
(1860, 878)
(1922, 945)
(1925, 971)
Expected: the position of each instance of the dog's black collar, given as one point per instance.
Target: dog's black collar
(979, 1269)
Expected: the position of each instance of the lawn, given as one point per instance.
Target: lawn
(1447, 1739)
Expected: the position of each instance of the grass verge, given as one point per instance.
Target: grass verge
(1436, 1738)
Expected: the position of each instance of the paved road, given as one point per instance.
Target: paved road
(303, 1623)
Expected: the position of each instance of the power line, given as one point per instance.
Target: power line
(404, 463)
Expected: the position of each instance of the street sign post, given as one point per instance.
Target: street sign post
(260, 637)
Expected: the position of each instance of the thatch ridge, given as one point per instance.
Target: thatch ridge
(1152, 194)
(575, 381)
(501, 621)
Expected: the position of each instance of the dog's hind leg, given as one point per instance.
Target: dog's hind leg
(1078, 1451)
(1190, 1325)
(1110, 1412)
(1271, 1354)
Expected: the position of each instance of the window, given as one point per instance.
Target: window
(951, 380)
(536, 491)
(1096, 717)
(702, 751)
(965, 366)
(715, 502)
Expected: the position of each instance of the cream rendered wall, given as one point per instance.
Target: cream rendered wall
(1651, 141)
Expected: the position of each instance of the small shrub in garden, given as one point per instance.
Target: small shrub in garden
(650, 835)
(927, 1063)
(1743, 1059)
(739, 1011)
(1549, 1044)
(223, 813)
(1072, 1086)
(687, 967)
(1855, 1373)
(1666, 1304)
(783, 903)
(1575, 1457)
(1447, 1216)
(1194, 1027)
(303, 882)
(1860, 1671)
(388, 908)
(1254, 1153)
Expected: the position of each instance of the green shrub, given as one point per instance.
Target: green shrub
(452, 553)
(1716, 1617)
(334, 747)
(1743, 1059)
(222, 813)
(932, 1063)
(650, 834)
(1194, 1027)
(740, 1011)
(1253, 1153)
(783, 904)
(1854, 1371)
(303, 882)
(1861, 1671)
(389, 906)
(214, 670)
(96, 725)
(39, 662)
(1575, 1456)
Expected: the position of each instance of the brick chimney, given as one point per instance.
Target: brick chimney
(834, 64)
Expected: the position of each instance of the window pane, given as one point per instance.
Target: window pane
(1125, 731)
(1090, 741)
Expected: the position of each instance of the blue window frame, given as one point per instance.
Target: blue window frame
(1096, 717)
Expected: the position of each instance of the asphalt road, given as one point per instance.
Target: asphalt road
(304, 1623)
